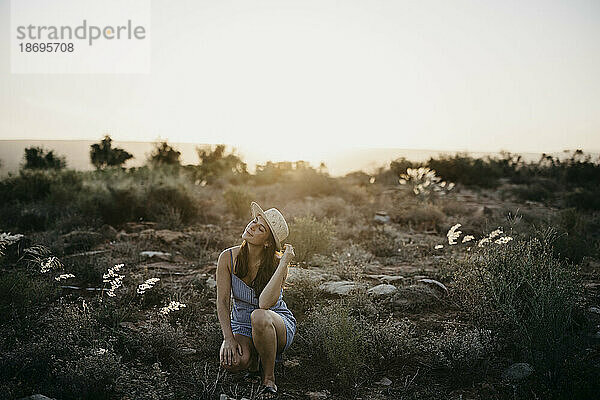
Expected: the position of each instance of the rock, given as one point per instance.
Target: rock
(36, 397)
(338, 287)
(382, 290)
(381, 217)
(387, 278)
(291, 363)
(211, 283)
(128, 325)
(384, 381)
(122, 235)
(434, 282)
(131, 227)
(318, 395)
(295, 274)
(415, 298)
(168, 236)
(517, 372)
(108, 232)
(156, 254)
(188, 351)
(86, 253)
(81, 240)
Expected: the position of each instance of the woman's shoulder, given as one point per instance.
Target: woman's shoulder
(234, 250)
(225, 253)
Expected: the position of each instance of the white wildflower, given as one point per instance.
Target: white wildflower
(439, 246)
(7, 239)
(495, 233)
(64, 276)
(483, 241)
(100, 352)
(173, 306)
(114, 279)
(453, 234)
(503, 240)
(49, 263)
(148, 284)
(468, 238)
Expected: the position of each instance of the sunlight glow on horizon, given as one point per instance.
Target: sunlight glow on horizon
(306, 80)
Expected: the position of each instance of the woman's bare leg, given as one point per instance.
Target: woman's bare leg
(268, 335)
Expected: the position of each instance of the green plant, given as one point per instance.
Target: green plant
(40, 158)
(238, 201)
(104, 155)
(310, 236)
(521, 291)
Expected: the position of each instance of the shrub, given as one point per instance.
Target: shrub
(352, 348)
(159, 342)
(421, 217)
(309, 236)
(379, 242)
(214, 164)
(462, 351)
(350, 262)
(302, 294)
(40, 158)
(175, 197)
(164, 154)
(22, 292)
(104, 155)
(524, 293)
(238, 202)
(334, 339)
(467, 170)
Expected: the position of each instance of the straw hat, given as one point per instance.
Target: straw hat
(275, 220)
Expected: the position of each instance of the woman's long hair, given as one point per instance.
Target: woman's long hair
(267, 267)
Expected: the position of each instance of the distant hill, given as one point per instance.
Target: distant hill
(77, 153)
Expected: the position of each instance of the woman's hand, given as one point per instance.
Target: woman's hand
(230, 350)
(288, 254)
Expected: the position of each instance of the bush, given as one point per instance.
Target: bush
(164, 154)
(524, 293)
(421, 217)
(175, 197)
(309, 236)
(104, 155)
(379, 242)
(334, 340)
(302, 294)
(238, 202)
(464, 352)
(22, 292)
(353, 349)
(39, 158)
(467, 170)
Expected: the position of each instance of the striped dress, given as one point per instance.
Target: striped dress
(245, 301)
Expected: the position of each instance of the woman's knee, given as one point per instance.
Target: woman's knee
(260, 319)
(238, 364)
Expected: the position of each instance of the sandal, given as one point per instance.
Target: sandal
(268, 392)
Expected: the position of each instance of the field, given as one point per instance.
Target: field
(477, 279)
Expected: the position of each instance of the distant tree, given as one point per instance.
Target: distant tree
(164, 154)
(214, 163)
(104, 155)
(39, 158)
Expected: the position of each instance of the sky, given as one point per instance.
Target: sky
(288, 79)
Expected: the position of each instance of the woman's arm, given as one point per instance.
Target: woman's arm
(224, 295)
(270, 294)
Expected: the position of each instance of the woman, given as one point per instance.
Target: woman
(260, 327)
